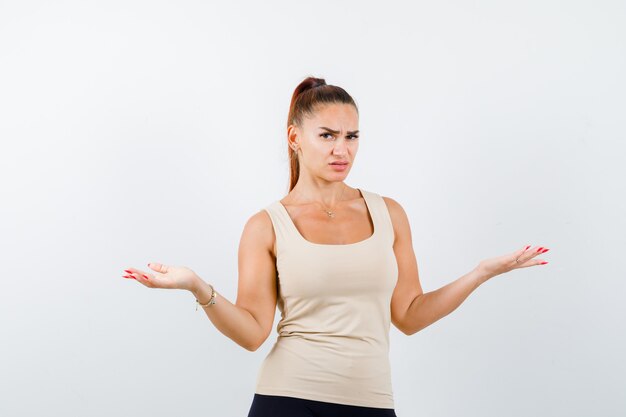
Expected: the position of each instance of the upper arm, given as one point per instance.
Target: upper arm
(256, 291)
(408, 287)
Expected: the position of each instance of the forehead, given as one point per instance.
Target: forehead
(342, 114)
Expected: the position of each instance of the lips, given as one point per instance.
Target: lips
(339, 163)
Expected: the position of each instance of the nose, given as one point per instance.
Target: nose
(340, 148)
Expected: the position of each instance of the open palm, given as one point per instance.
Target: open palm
(164, 276)
(522, 258)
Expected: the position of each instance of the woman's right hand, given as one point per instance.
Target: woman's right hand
(165, 276)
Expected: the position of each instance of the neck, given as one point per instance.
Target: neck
(328, 195)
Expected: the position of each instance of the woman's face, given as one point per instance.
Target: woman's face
(328, 137)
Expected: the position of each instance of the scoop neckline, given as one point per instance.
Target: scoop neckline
(368, 208)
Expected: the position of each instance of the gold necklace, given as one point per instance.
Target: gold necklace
(331, 213)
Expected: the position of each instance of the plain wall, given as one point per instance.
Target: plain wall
(150, 131)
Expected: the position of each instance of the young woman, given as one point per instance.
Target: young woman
(338, 262)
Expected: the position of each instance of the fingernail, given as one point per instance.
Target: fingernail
(538, 249)
(126, 276)
(545, 250)
(543, 263)
(145, 276)
(126, 270)
(526, 248)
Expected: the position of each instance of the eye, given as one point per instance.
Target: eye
(352, 137)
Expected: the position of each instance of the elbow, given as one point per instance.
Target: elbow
(248, 344)
(405, 329)
(410, 329)
(254, 344)
(416, 326)
(410, 322)
(411, 332)
(251, 347)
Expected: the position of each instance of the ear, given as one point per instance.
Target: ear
(293, 135)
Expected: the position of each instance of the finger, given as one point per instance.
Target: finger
(518, 255)
(533, 262)
(540, 250)
(158, 267)
(530, 254)
(143, 278)
(138, 274)
(129, 272)
(521, 251)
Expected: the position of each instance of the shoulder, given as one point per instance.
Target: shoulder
(392, 204)
(399, 218)
(394, 207)
(259, 230)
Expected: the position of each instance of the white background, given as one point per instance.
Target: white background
(150, 131)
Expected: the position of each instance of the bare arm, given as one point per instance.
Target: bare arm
(249, 321)
(427, 308)
(411, 309)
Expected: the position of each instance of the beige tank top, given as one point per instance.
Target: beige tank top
(334, 300)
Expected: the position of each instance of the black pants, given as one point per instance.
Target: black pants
(280, 406)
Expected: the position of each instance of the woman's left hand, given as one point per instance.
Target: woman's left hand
(522, 258)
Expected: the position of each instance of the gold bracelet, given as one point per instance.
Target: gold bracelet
(211, 301)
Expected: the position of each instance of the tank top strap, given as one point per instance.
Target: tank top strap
(380, 215)
(286, 234)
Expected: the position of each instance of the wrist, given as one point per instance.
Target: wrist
(196, 285)
(482, 275)
(204, 294)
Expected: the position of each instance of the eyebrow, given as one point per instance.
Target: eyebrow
(336, 131)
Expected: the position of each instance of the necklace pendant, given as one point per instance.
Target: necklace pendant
(330, 213)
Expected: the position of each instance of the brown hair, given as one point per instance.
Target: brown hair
(306, 97)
